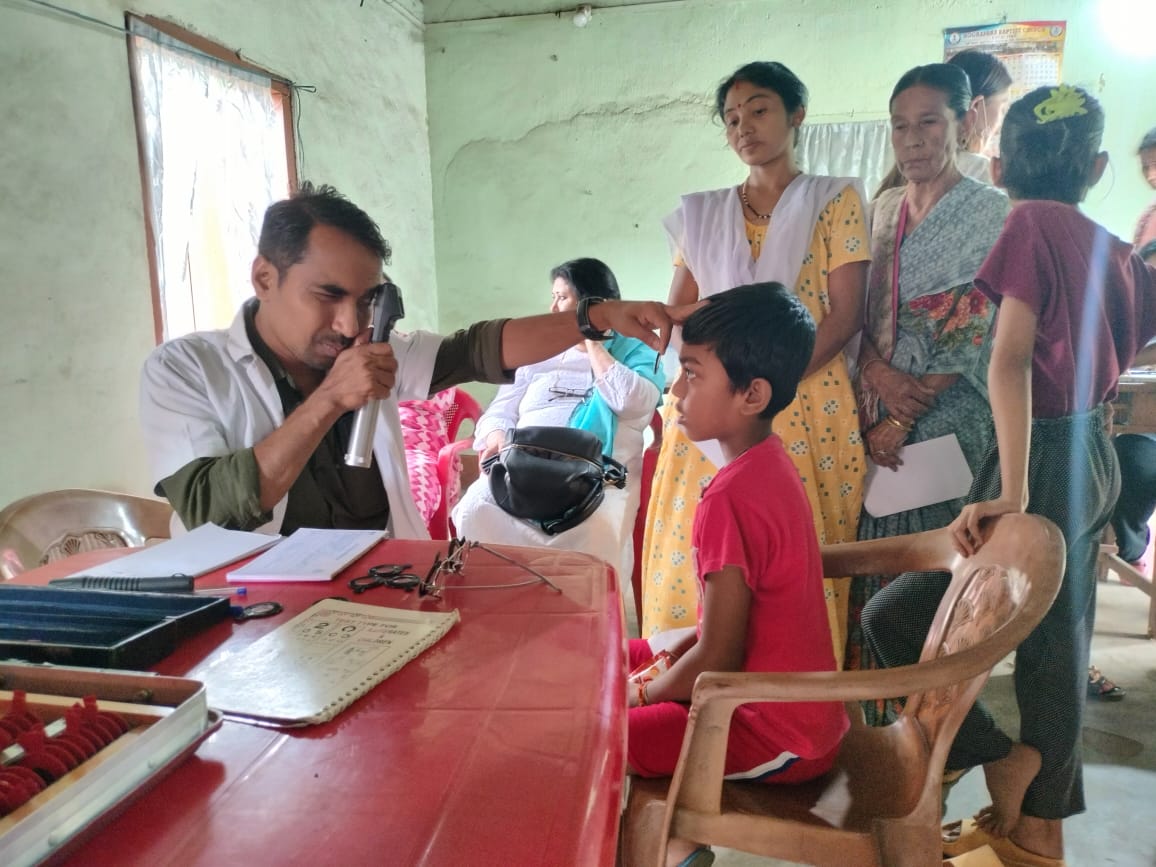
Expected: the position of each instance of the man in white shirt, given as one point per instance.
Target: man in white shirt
(247, 427)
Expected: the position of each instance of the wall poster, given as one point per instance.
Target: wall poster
(1033, 51)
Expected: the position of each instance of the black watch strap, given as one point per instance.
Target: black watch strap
(588, 330)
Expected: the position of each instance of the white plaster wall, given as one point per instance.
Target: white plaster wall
(550, 141)
(75, 310)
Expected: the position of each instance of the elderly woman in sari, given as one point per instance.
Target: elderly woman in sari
(924, 354)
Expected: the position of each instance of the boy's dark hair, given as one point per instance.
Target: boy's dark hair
(949, 80)
(760, 331)
(1049, 144)
(1148, 143)
(985, 72)
(770, 75)
(287, 224)
(589, 277)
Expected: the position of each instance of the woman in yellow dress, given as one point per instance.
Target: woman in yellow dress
(804, 231)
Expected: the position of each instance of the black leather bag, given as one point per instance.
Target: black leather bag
(552, 477)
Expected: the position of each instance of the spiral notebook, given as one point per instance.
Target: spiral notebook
(314, 666)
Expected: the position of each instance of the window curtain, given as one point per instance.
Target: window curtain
(213, 144)
(859, 150)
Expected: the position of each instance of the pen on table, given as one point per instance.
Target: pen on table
(223, 591)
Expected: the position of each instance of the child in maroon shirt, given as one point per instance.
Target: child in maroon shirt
(756, 554)
(1075, 307)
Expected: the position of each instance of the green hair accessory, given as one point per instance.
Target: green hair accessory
(1065, 101)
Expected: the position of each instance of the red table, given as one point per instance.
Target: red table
(503, 744)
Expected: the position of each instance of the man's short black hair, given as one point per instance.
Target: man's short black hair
(760, 331)
(287, 224)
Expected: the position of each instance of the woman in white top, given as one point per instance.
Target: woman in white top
(610, 388)
(990, 96)
(809, 233)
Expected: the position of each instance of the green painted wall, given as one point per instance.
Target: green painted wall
(75, 310)
(550, 141)
(544, 142)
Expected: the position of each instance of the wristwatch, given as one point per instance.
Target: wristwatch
(584, 325)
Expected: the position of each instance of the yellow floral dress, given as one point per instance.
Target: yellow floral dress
(820, 431)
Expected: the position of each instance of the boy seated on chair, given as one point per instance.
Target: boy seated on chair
(756, 554)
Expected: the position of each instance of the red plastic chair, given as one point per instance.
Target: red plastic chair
(463, 407)
(649, 462)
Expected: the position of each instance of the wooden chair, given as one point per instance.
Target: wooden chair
(464, 408)
(881, 804)
(1133, 412)
(47, 527)
(1109, 559)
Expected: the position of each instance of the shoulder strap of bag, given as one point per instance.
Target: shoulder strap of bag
(613, 473)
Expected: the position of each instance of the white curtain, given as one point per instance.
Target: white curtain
(213, 143)
(859, 150)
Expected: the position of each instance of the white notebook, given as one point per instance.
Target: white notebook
(317, 664)
(308, 555)
(196, 553)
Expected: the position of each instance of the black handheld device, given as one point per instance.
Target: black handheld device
(387, 309)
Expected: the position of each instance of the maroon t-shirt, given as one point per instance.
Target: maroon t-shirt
(1095, 300)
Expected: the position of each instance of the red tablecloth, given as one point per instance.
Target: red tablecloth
(503, 744)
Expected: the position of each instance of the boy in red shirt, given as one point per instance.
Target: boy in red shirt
(756, 554)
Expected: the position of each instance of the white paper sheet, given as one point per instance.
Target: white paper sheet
(308, 555)
(933, 471)
(206, 548)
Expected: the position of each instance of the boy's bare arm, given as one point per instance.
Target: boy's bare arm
(722, 646)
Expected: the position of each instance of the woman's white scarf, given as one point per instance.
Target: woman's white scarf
(708, 232)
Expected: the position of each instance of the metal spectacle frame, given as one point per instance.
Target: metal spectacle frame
(387, 574)
(454, 563)
(559, 393)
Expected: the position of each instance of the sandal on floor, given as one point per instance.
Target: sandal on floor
(1102, 688)
(962, 837)
(701, 857)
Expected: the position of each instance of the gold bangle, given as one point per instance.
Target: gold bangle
(643, 701)
(906, 428)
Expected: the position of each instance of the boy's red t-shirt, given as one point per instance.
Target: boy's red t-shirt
(755, 515)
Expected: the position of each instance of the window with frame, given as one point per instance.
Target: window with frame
(215, 136)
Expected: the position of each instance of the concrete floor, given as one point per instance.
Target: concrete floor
(1119, 828)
